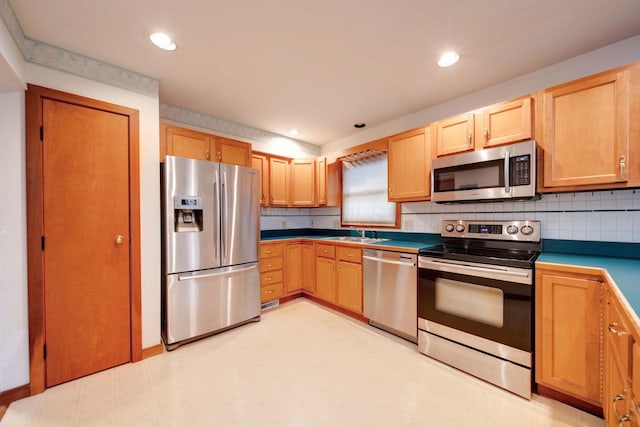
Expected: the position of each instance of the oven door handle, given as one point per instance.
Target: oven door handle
(460, 268)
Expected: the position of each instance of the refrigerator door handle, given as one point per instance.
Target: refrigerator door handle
(217, 273)
(215, 192)
(223, 216)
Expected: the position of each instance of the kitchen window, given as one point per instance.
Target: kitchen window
(364, 192)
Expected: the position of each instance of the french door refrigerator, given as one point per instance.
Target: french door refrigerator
(210, 277)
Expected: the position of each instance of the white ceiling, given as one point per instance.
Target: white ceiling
(321, 66)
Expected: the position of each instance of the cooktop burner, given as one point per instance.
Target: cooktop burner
(508, 243)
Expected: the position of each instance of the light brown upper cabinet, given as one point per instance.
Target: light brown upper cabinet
(233, 152)
(261, 162)
(455, 134)
(177, 141)
(586, 127)
(303, 182)
(322, 181)
(505, 123)
(409, 156)
(188, 143)
(278, 181)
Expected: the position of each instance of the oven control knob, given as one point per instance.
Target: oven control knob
(460, 228)
(512, 229)
(449, 228)
(527, 230)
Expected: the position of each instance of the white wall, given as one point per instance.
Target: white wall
(14, 332)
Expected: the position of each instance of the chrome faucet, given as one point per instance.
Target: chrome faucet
(363, 233)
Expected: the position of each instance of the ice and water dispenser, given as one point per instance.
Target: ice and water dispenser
(187, 213)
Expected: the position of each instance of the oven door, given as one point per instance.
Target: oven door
(490, 302)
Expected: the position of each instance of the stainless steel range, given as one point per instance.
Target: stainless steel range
(475, 300)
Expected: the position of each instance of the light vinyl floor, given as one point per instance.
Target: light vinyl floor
(301, 365)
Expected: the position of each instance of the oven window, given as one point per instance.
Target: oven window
(488, 174)
(479, 303)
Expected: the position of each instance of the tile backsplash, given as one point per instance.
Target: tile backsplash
(608, 216)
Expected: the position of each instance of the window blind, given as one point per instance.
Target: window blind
(364, 193)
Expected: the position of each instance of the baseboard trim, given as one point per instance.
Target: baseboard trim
(570, 400)
(14, 394)
(152, 351)
(351, 314)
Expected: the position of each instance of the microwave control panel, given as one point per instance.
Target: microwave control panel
(520, 170)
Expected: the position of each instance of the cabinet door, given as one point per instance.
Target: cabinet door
(293, 268)
(455, 134)
(278, 181)
(349, 286)
(261, 162)
(308, 268)
(506, 123)
(568, 335)
(586, 131)
(189, 143)
(303, 182)
(410, 166)
(322, 181)
(326, 279)
(233, 152)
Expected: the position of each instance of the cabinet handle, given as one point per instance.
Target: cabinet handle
(207, 155)
(350, 255)
(469, 137)
(612, 328)
(219, 156)
(269, 292)
(268, 252)
(268, 279)
(486, 135)
(623, 419)
(269, 265)
(617, 398)
(623, 166)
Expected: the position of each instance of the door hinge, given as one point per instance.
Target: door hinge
(44, 351)
(41, 133)
(42, 242)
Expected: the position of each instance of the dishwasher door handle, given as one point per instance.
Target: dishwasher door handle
(389, 261)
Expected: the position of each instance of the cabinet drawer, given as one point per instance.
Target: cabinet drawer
(270, 264)
(272, 250)
(327, 251)
(350, 254)
(271, 292)
(271, 277)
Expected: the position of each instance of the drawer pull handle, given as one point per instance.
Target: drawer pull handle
(350, 255)
(612, 328)
(623, 419)
(617, 398)
(269, 265)
(268, 252)
(268, 279)
(269, 292)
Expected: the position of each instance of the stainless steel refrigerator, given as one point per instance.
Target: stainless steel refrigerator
(211, 279)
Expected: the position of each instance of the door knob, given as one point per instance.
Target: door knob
(118, 240)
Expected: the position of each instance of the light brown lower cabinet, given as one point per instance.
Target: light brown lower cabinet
(568, 347)
(326, 278)
(339, 276)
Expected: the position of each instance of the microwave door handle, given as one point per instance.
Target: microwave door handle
(507, 172)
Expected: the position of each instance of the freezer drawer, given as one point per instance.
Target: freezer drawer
(390, 292)
(207, 301)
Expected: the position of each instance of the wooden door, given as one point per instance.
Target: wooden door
(82, 193)
(261, 162)
(278, 181)
(455, 134)
(86, 240)
(410, 165)
(293, 267)
(308, 268)
(303, 182)
(326, 279)
(349, 286)
(586, 131)
(568, 334)
(189, 143)
(232, 151)
(506, 122)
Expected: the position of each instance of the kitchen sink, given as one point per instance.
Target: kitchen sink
(355, 239)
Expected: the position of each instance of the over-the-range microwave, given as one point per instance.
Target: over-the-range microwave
(493, 174)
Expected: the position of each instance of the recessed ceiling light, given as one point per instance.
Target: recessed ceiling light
(448, 58)
(359, 125)
(163, 41)
(294, 132)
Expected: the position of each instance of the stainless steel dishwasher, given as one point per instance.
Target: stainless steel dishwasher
(390, 292)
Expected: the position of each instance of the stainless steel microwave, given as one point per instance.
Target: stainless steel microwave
(499, 173)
